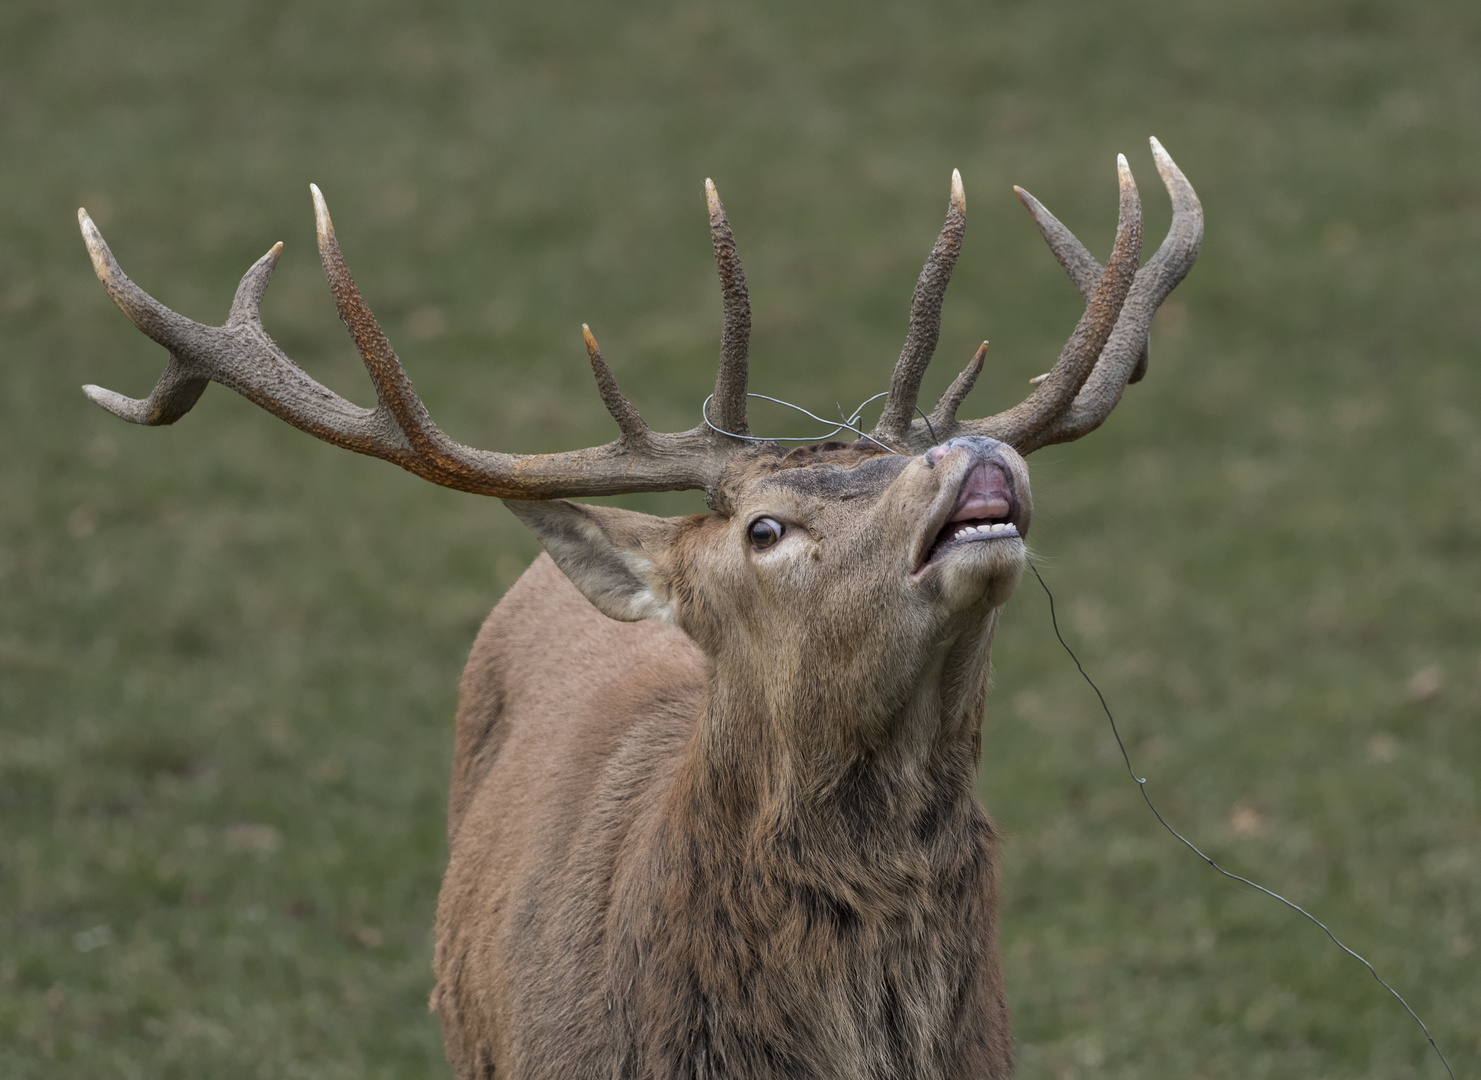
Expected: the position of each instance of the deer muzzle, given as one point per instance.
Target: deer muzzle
(979, 502)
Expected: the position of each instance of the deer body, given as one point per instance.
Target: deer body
(712, 811)
(619, 902)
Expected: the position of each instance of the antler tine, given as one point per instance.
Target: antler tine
(156, 321)
(246, 306)
(1082, 267)
(393, 389)
(629, 421)
(1023, 425)
(438, 457)
(1124, 358)
(728, 408)
(241, 356)
(925, 320)
(943, 416)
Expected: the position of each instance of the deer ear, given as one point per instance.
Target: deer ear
(611, 555)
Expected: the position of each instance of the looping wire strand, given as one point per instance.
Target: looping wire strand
(1141, 782)
(848, 423)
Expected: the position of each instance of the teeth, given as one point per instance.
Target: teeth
(997, 528)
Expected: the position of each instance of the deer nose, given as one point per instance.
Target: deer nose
(976, 445)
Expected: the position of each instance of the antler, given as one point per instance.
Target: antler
(1108, 348)
(240, 355)
(1124, 359)
(925, 319)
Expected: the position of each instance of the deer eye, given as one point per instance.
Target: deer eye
(765, 531)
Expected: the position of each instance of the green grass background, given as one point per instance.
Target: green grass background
(228, 654)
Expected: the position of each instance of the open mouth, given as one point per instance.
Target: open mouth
(983, 512)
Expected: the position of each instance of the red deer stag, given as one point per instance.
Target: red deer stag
(712, 810)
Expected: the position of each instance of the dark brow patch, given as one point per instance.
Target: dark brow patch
(870, 477)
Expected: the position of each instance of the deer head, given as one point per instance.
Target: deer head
(876, 555)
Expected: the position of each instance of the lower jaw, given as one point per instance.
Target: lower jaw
(939, 558)
(991, 580)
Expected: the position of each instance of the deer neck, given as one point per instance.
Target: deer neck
(828, 751)
(851, 877)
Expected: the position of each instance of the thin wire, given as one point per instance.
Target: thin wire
(848, 424)
(1141, 782)
(853, 418)
(927, 419)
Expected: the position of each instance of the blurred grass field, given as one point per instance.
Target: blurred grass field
(229, 654)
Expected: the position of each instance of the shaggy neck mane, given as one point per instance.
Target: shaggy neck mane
(806, 913)
(816, 786)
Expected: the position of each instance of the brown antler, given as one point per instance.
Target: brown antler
(727, 410)
(925, 319)
(240, 355)
(1124, 358)
(1108, 347)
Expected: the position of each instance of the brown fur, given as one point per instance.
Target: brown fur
(738, 838)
